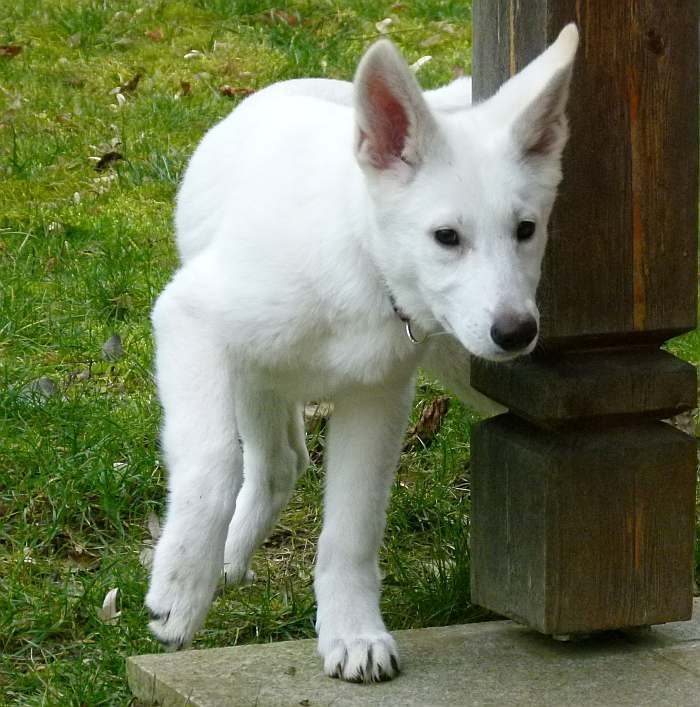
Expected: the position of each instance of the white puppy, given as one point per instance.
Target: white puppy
(325, 228)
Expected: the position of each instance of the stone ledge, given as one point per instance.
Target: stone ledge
(496, 663)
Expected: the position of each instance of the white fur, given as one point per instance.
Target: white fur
(299, 214)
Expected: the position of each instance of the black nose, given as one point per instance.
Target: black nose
(512, 331)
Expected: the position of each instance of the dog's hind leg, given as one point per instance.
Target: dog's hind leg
(204, 461)
(365, 437)
(274, 454)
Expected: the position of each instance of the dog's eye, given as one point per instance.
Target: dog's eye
(447, 236)
(526, 229)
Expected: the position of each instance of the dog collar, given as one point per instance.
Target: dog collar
(406, 320)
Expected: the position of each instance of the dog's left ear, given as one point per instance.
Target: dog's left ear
(533, 101)
(394, 125)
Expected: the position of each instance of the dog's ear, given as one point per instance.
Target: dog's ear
(394, 125)
(533, 102)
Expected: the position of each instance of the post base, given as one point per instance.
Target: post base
(583, 530)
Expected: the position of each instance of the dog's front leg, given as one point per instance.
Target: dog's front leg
(364, 442)
(204, 463)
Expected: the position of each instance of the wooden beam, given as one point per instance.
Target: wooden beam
(584, 507)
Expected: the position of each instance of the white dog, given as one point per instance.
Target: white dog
(333, 237)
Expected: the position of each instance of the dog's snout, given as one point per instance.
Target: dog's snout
(513, 332)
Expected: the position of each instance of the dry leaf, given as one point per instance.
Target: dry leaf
(112, 349)
(687, 422)
(185, 88)
(155, 35)
(108, 159)
(10, 50)
(153, 526)
(417, 65)
(383, 25)
(108, 612)
(317, 412)
(287, 17)
(430, 421)
(146, 557)
(131, 84)
(235, 91)
(431, 41)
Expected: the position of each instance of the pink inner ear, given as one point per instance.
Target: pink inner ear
(388, 124)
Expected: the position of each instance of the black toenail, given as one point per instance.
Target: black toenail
(395, 663)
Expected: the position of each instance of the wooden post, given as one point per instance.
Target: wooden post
(583, 501)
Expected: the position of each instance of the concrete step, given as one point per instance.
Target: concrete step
(495, 663)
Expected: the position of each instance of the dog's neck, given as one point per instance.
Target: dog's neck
(405, 319)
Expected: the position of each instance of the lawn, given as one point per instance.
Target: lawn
(101, 104)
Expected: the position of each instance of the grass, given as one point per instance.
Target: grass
(83, 253)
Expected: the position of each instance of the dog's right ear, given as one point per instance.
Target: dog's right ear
(394, 125)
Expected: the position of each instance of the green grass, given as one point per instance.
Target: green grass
(83, 255)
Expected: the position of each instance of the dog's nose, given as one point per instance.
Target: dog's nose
(512, 331)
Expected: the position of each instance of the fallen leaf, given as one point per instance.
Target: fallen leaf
(429, 423)
(185, 88)
(234, 91)
(418, 64)
(131, 84)
(315, 414)
(398, 7)
(146, 557)
(153, 526)
(112, 349)
(383, 25)
(10, 50)
(287, 17)
(431, 41)
(108, 612)
(155, 35)
(687, 422)
(109, 158)
(39, 390)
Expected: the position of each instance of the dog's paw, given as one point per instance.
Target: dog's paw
(367, 659)
(177, 607)
(237, 578)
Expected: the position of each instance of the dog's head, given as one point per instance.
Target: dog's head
(461, 199)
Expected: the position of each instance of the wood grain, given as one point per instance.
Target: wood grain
(581, 530)
(622, 259)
